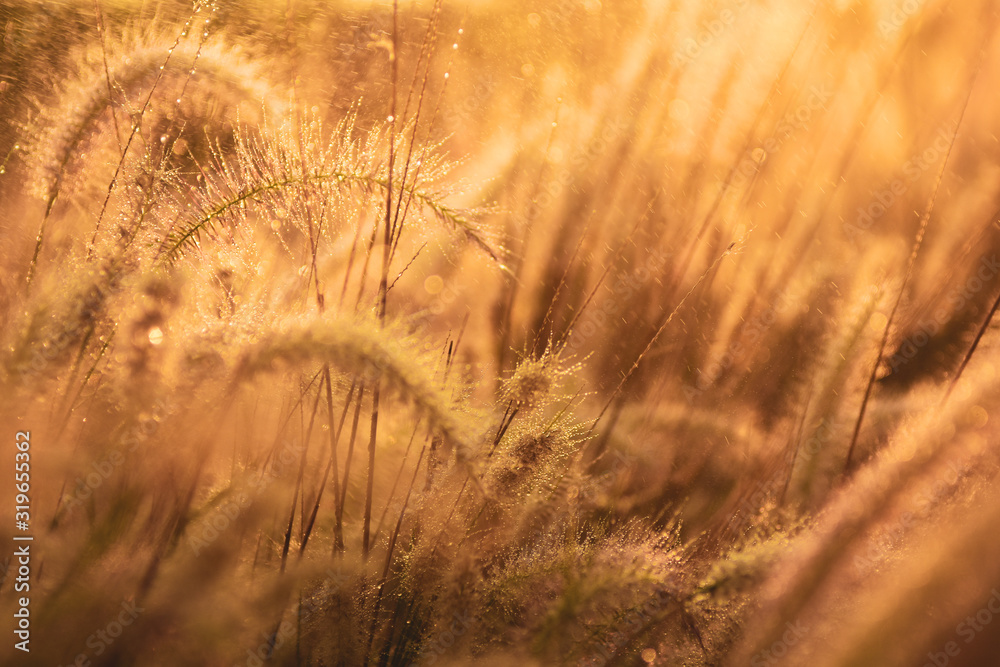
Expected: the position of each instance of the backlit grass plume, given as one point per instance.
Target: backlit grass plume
(528, 334)
(301, 174)
(364, 349)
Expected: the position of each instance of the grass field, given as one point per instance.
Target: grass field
(564, 333)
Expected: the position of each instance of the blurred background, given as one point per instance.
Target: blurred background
(728, 193)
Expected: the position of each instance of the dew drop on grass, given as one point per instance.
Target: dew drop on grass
(978, 417)
(433, 284)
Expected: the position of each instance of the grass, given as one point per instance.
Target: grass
(569, 334)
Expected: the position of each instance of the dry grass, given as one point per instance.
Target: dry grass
(567, 334)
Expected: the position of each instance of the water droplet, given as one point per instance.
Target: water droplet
(978, 416)
(433, 284)
(679, 110)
